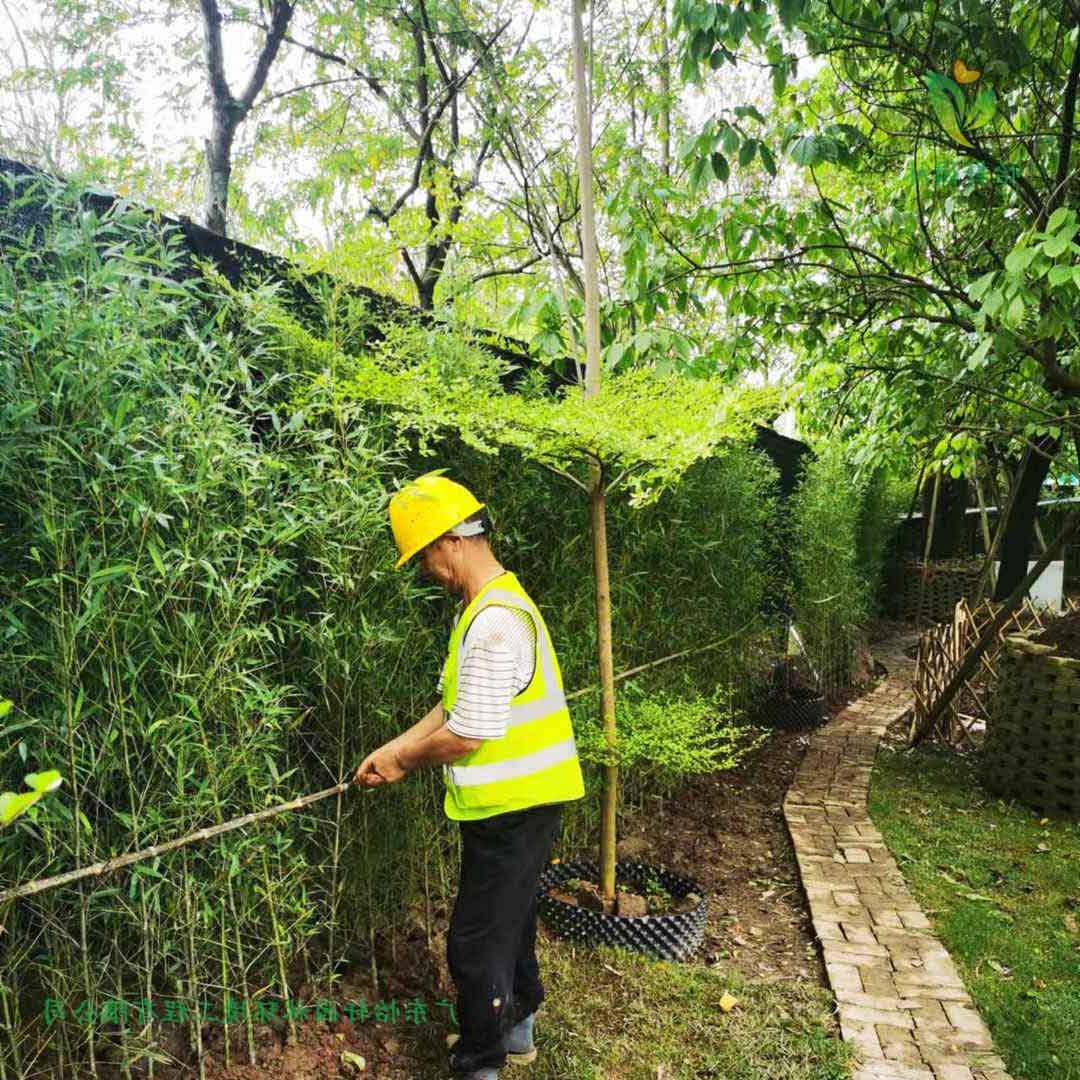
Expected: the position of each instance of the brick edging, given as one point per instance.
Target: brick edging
(902, 1006)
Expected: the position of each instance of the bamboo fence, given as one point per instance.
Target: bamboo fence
(942, 649)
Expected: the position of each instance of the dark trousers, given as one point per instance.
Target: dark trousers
(491, 946)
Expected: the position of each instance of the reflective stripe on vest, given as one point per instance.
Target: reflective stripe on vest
(536, 761)
(513, 768)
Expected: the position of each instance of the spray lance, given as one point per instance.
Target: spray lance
(99, 869)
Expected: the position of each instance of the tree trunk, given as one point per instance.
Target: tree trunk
(665, 91)
(950, 524)
(218, 171)
(1019, 533)
(228, 110)
(597, 507)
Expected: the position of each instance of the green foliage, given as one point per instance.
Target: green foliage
(200, 617)
(13, 805)
(646, 429)
(837, 527)
(667, 737)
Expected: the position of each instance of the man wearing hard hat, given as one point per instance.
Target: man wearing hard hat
(503, 735)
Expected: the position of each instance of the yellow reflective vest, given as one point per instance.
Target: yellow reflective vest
(536, 761)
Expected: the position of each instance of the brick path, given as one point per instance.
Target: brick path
(903, 1008)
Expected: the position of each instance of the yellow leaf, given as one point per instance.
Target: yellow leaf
(963, 74)
(728, 1002)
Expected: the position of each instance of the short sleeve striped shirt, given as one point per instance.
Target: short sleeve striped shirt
(498, 658)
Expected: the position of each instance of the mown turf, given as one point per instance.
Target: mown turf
(1002, 887)
(614, 1016)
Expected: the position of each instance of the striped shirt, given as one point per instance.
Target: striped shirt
(497, 663)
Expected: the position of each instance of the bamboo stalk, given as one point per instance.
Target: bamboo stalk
(988, 543)
(196, 1015)
(278, 949)
(1005, 512)
(666, 660)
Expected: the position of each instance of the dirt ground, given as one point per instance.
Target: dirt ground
(725, 831)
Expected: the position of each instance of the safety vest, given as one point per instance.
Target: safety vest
(536, 761)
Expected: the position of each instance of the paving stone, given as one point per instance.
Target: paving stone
(891, 1070)
(929, 1012)
(887, 1002)
(914, 978)
(828, 930)
(914, 919)
(863, 1038)
(885, 916)
(859, 933)
(890, 1033)
(963, 1017)
(844, 976)
(898, 1018)
(898, 1050)
(878, 981)
(952, 1072)
(902, 1005)
(923, 990)
(857, 948)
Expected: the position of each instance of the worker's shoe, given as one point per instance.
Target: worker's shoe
(486, 1072)
(520, 1049)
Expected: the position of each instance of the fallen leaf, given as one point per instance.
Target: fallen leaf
(1043, 847)
(353, 1062)
(728, 1002)
(1001, 969)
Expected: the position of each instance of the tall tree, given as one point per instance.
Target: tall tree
(228, 110)
(934, 264)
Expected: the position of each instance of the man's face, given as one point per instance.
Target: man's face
(438, 559)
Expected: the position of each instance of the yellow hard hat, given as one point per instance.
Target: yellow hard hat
(425, 509)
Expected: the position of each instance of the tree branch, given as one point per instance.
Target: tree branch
(280, 14)
(1057, 195)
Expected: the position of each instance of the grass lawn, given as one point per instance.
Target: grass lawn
(1002, 887)
(610, 1015)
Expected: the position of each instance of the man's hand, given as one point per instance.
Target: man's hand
(382, 766)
